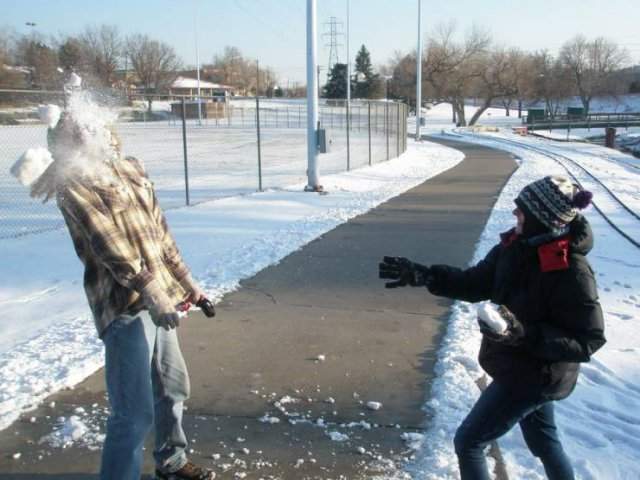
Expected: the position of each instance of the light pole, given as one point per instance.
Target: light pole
(419, 73)
(195, 29)
(313, 176)
(348, 94)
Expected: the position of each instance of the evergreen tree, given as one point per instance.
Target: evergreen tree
(336, 86)
(367, 84)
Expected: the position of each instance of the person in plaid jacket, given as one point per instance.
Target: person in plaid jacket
(134, 279)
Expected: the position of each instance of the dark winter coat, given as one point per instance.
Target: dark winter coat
(552, 291)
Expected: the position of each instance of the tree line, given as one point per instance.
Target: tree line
(455, 71)
(105, 58)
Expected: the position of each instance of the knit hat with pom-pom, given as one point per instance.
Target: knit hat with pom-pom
(554, 201)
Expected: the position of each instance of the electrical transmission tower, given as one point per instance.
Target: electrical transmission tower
(334, 30)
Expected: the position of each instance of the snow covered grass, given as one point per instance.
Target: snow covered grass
(222, 162)
(599, 422)
(48, 340)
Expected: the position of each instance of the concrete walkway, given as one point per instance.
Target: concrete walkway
(378, 345)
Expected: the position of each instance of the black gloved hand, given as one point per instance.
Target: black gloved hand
(512, 336)
(404, 272)
(207, 307)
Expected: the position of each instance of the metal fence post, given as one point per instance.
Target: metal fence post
(348, 108)
(369, 128)
(184, 148)
(259, 151)
(386, 125)
(397, 130)
(405, 115)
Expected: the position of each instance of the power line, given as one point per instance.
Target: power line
(272, 30)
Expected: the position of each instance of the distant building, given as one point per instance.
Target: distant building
(189, 86)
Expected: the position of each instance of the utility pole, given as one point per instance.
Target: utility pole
(348, 93)
(195, 29)
(258, 125)
(313, 175)
(419, 74)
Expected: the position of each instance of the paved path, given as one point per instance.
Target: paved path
(325, 299)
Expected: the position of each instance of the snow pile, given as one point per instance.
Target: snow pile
(336, 436)
(413, 440)
(629, 142)
(268, 419)
(488, 313)
(78, 429)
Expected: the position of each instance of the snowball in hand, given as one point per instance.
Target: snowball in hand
(489, 314)
(31, 165)
(49, 114)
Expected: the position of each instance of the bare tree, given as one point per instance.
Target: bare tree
(42, 61)
(155, 63)
(102, 50)
(9, 77)
(497, 79)
(5, 46)
(71, 53)
(453, 69)
(515, 79)
(232, 68)
(402, 70)
(592, 65)
(549, 81)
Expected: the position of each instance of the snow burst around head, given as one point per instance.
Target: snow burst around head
(83, 143)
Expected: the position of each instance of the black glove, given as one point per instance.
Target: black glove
(404, 272)
(207, 307)
(512, 336)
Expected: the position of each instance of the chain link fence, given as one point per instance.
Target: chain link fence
(196, 157)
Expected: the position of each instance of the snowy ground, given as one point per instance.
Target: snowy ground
(599, 422)
(222, 162)
(223, 241)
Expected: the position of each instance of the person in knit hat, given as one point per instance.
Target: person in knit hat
(551, 203)
(135, 279)
(543, 319)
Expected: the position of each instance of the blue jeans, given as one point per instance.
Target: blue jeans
(497, 410)
(147, 383)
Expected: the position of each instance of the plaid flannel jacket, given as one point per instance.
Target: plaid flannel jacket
(121, 236)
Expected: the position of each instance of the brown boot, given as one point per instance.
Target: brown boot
(189, 472)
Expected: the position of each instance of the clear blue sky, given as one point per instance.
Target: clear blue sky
(274, 30)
